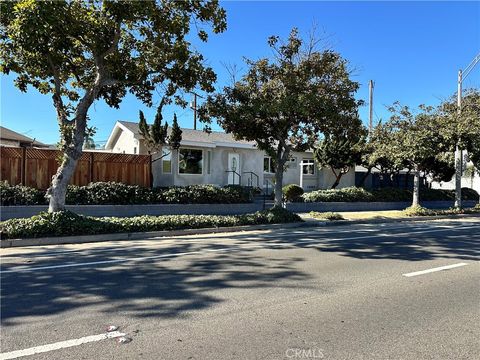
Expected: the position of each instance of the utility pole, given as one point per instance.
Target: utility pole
(458, 152)
(194, 108)
(370, 103)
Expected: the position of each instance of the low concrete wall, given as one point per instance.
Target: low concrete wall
(10, 212)
(368, 206)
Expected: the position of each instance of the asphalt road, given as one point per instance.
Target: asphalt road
(308, 293)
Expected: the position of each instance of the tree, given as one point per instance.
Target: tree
(341, 149)
(284, 103)
(462, 128)
(82, 51)
(156, 135)
(415, 138)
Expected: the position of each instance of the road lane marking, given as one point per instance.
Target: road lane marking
(440, 268)
(60, 345)
(238, 247)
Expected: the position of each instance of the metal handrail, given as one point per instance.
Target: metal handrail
(235, 173)
(252, 174)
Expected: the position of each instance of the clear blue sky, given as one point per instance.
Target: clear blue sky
(412, 50)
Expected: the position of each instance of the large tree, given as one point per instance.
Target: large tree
(341, 149)
(82, 51)
(415, 140)
(283, 103)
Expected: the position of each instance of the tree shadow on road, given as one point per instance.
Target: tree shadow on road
(159, 287)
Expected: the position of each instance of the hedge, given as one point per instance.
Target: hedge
(65, 223)
(111, 193)
(354, 194)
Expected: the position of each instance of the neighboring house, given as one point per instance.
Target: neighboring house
(218, 159)
(11, 138)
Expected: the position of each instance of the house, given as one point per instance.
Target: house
(12, 138)
(217, 158)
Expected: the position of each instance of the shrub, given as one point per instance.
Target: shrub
(350, 194)
(392, 194)
(326, 215)
(67, 223)
(20, 195)
(417, 211)
(112, 193)
(292, 192)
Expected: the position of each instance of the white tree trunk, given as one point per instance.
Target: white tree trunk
(58, 189)
(416, 189)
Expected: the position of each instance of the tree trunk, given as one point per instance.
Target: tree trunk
(278, 201)
(337, 180)
(364, 177)
(416, 189)
(58, 189)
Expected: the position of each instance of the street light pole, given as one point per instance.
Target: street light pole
(458, 152)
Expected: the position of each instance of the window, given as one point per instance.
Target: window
(190, 161)
(268, 165)
(135, 150)
(308, 167)
(166, 161)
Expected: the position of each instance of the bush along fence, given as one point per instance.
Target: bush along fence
(111, 193)
(34, 167)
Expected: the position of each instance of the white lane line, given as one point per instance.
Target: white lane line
(238, 247)
(440, 268)
(59, 345)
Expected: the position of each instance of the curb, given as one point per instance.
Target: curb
(154, 234)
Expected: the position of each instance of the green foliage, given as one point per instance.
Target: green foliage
(66, 223)
(156, 135)
(283, 103)
(341, 149)
(421, 211)
(292, 192)
(111, 193)
(20, 195)
(351, 194)
(326, 215)
(354, 194)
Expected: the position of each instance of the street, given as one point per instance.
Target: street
(375, 291)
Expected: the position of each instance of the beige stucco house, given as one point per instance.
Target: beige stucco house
(12, 138)
(216, 158)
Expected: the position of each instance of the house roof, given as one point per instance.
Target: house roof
(7, 134)
(191, 137)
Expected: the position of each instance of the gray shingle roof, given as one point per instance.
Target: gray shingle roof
(8, 134)
(195, 135)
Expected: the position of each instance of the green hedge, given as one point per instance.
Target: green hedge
(354, 194)
(65, 223)
(292, 192)
(111, 193)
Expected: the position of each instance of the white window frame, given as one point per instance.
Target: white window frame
(269, 165)
(203, 162)
(311, 162)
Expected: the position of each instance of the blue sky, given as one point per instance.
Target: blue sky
(412, 50)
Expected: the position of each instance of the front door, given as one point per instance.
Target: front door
(233, 165)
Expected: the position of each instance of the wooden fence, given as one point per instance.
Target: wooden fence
(35, 167)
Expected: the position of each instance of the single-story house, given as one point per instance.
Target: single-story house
(217, 158)
(12, 138)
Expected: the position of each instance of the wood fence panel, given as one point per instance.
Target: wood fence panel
(39, 165)
(11, 165)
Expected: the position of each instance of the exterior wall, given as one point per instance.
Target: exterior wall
(5, 142)
(125, 143)
(469, 182)
(250, 160)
